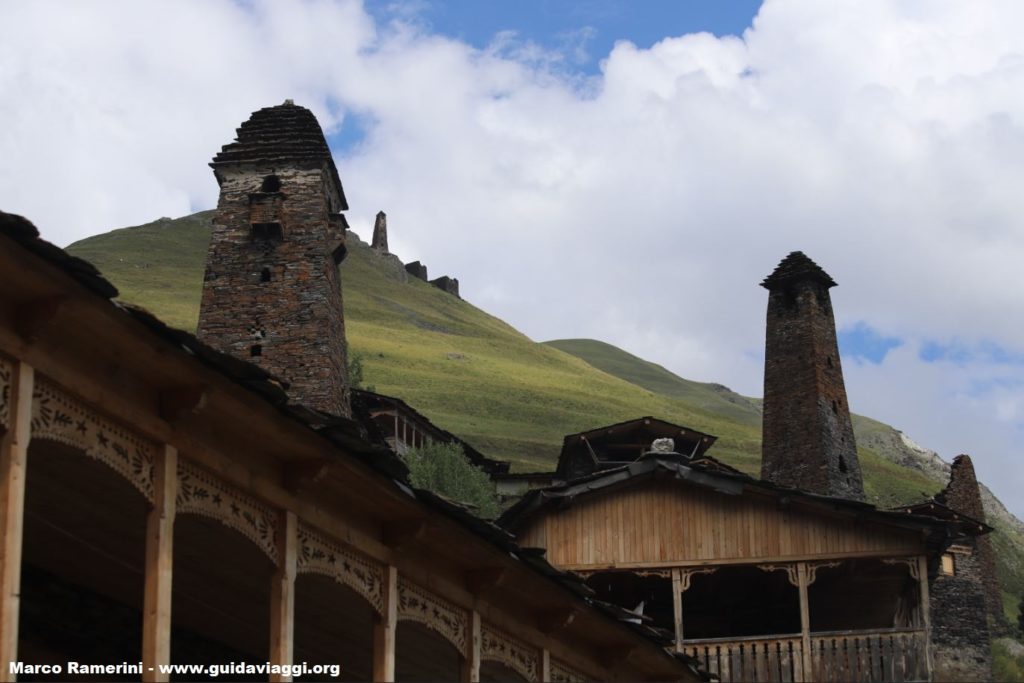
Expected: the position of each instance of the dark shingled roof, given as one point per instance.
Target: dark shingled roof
(284, 134)
(797, 266)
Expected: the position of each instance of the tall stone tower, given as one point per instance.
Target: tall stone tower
(271, 293)
(380, 233)
(807, 439)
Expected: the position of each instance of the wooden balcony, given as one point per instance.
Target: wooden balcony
(878, 655)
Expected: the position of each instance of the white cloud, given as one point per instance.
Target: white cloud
(641, 206)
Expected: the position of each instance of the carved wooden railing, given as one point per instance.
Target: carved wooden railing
(764, 658)
(877, 655)
(887, 655)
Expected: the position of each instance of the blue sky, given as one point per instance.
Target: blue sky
(583, 31)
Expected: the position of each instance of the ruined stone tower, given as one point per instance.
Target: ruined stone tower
(271, 293)
(807, 439)
(964, 589)
(380, 233)
(964, 495)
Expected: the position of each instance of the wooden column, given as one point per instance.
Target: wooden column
(282, 595)
(13, 469)
(471, 662)
(545, 665)
(805, 621)
(384, 630)
(156, 624)
(677, 607)
(926, 611)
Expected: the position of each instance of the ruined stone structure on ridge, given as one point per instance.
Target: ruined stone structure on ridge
(380, 233)
(272, 293)
(807, 439)
(447, 284)
(417, 269)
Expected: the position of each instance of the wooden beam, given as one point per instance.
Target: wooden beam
(175, 402)
(486, 579)
(32, 317)
(805, 621)
(384, 629)
(926, 611)
(282, 595)
(677, 607)
(13, 469)
(471, 662)
(156, 625)
(403, 532)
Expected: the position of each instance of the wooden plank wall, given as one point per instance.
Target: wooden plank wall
(668, 522)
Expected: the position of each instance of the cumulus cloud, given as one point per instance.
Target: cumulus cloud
(640, 206)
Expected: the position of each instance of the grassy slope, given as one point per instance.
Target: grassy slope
(470, 372)
(481, 379)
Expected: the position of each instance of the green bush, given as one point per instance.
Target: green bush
(444, 469)
(1006, 666)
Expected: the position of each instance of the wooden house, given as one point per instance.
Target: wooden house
(758, 581)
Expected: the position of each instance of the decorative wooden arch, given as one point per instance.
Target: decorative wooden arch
(319, 554)
(521, 657)
(58, 416)
(437, 614)
(563, 673)
(201, 493)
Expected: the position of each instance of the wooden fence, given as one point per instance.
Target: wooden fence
(880, 655)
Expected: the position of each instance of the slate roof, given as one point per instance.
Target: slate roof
(797, 266)
(283, 135)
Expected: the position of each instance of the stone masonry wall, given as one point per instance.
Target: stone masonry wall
(960, 634)
(807, 440)
(277, 301)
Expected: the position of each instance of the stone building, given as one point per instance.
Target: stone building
(272, 292)
(807, 440)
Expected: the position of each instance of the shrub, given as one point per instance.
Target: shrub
(444, 469)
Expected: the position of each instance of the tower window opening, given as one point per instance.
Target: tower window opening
(271, 184)
(266, 232)
(828, 360)
(835, 407)
(265, 275)
(842, 464)
(256, 350)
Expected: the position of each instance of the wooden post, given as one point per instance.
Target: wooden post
(282, 595)
(13, 469)
(926, 612)
(677, 607)
(805, 621)
(545, 665)
(156, 625)
(471, 662)
(384, 630)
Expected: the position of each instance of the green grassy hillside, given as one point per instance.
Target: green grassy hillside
(510, 397)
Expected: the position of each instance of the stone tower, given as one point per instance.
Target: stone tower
(807, 439)
(272, 293)
(380, 233)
